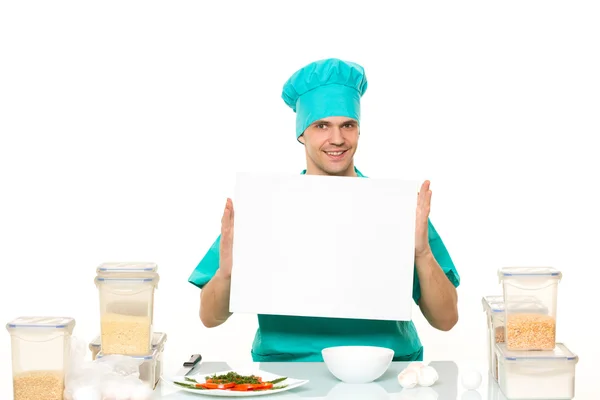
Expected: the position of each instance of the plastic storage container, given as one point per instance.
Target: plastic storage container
(41, 347)
(126, 307)
(127, 268)
(149, 367)
(535, 330)
(158, 342)
(544, 375)
(494, 308)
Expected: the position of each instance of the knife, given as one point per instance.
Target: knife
(192, 363)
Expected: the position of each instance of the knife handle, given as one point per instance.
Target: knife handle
(193, 360)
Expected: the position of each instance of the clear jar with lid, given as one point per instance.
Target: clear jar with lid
(535, 330)
(41, 347)
(494, 307)
(126, 293)
(542, 375)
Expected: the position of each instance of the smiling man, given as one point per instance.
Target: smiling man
(325, 95)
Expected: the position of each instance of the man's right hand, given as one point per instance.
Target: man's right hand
(214, 297)
(226, 248)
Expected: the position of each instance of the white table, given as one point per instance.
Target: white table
(323, 385)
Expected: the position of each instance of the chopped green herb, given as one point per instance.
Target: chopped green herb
(278, 387)
(235, 378)
(189, 386)
(274, 381)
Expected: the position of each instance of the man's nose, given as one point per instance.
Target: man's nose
(336, 138)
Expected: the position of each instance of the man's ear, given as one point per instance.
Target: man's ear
(301, 139)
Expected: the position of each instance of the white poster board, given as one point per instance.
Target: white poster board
(323, 246)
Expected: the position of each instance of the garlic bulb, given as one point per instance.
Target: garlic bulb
(417, 365)
(427, 376)
(408, 378)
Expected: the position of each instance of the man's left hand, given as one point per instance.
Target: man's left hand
(422, 247)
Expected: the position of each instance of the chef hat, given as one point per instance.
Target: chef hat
(325, 88)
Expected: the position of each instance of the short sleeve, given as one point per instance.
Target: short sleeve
(207, 267)
(442, 257)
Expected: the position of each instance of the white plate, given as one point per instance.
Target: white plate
(290, 383)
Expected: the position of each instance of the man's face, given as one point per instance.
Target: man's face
(330, 146)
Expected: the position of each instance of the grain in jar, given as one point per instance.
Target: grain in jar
(126, 307)
(495, 313)
(41, 349)
(36, 385)
(530, 330)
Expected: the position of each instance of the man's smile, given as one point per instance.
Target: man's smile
(336, 155)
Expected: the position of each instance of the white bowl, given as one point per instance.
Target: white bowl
(357, 364)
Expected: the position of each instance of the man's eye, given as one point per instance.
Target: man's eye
(321, 126)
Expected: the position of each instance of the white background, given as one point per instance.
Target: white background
(123, 123)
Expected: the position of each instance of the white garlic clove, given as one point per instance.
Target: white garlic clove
(427, 376)
(415, 366)
(408, 379)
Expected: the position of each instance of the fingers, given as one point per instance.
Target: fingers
(425, 186)
(423, 193)
(424, 203)
(427, 201)
(227, 219)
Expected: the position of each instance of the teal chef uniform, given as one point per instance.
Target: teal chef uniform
(322, 89)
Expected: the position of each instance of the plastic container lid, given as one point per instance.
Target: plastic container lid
(45, 323)
(487, 300)
(147, 278)
(529, 272)
(560, 353)
(127, 272)
(126, 267)
(158, 340)
(127, 279)
(145, 358)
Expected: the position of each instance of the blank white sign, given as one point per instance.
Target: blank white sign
(323, 246)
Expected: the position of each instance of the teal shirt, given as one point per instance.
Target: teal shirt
(291, 338)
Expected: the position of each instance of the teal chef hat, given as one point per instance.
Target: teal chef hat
(325, 88)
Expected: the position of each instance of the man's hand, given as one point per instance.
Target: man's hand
(422, 247)
(439, 299)
(214, 297)
(226, 249)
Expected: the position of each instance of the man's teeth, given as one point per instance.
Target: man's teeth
(335, 153)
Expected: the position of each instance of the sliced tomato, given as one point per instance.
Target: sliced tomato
(209, 385)
(264, 386)
(244, 387)
(241, 388)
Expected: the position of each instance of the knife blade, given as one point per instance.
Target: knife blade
(192, 363)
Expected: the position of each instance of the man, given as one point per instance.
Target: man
(325, 95)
